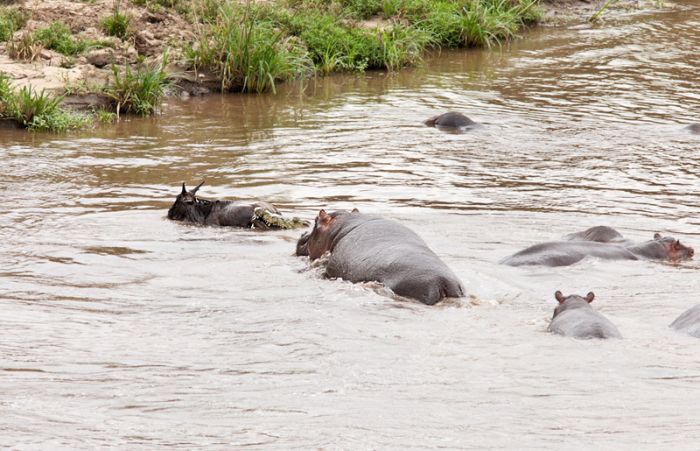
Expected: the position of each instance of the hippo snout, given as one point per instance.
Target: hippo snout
(691, 252)
(302, 244)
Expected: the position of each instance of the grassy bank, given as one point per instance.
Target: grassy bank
(254, 45)
(246, 46)
(137, 90)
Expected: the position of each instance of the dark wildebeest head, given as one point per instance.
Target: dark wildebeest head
(188, 207)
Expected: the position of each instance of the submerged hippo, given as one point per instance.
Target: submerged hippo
(694, 128)
(689, 322)
(600, 234)
(196, 210)
(574, 317)
(451, 120)
(564, 253)
(365, 248)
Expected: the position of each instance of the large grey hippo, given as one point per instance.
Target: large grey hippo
(689, 322)
(365, 248)
(574, 317)
(564, 253)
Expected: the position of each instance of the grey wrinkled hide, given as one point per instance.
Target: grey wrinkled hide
(575, 318)
(564, 253)
(450, 120)
(368, 248)
(653, 249)
(689, 322)
(600, 234)
(694, 128)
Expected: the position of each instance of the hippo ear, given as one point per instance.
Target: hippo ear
(355, 210)
(559, 297)
(657, 236)
(184, 190)
(589, 297)
(194, 191)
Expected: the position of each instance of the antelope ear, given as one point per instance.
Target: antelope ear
(657, 236)
(194, 191)
(184, 190)
(559, 297)
(589, 297)
(355, 210)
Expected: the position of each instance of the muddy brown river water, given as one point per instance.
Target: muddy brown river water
(123, 330)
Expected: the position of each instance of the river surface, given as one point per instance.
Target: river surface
(121, 329)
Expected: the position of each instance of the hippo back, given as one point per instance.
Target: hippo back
(583, 323)
(368, 248)
(688, 322)
(564, 253)
(600, 234)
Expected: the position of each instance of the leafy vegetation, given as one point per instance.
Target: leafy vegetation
(37, 110)
(11, 20)
(247, 53)
(58, 37)
(117, 24)
(331, 33)
(139, 91)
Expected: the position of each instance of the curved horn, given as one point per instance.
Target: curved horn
(194, 191)
(184, 190)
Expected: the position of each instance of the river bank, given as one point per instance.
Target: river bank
(106, 57)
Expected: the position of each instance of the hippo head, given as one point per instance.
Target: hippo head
(184, 205)
(571, 301)
(673, 250)
(302, 244)
(319, 240)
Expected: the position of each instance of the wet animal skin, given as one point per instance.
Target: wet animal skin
(188, 207)
(575, 318)
(366, 248)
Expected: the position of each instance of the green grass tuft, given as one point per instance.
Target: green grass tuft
(247, 53)
(117, 24)
(139, 91)
(37, 111)
(58, 37)
(11, 20)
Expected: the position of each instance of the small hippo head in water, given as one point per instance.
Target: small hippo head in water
(694, 128)
(575, 318)
(319, 240)
(185, 206)
(451, 120)
(571, 301)
(666, 248)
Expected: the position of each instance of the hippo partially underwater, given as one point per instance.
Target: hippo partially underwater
(599, 234)
(188, 207)
(365, 248)
(694, 128)
(688, 322)
(451, 121)
(575, 318)
(564, 253)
